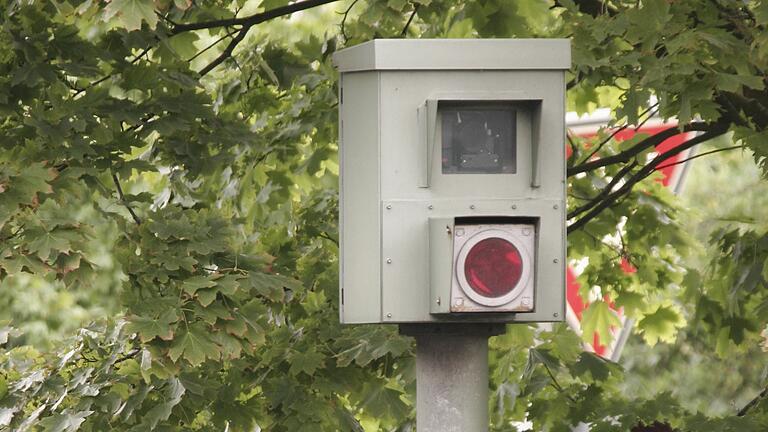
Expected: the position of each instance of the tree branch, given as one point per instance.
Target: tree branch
(123, 200)
(626, 155)
(410, 19)
(211, 45)
(606, 190)
(246, 23)
(227, 51)
(601, 203)
(700, 155)
(751, 404)
(342, 26)
(619, 130)
(251, 20)
(108, 76)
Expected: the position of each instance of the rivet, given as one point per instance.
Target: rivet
(389, 206)
(555, 260)
(430, 206)
(555, 314)
(438, 300)
(389, 260)
(514, 206)
(389, 315)
(554, 206)
(472, 207)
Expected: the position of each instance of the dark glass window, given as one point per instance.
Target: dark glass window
(478, 139)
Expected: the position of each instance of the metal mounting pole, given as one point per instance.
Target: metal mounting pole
(451, 375)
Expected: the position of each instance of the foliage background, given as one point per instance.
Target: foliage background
(168, 205)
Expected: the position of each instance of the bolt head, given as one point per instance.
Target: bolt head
(514, 206)
(555, 260)
(430, 206)
(389, 315)
(472, 207)
(555, 207)
(389, 206)
(555, 314)
(389, 260)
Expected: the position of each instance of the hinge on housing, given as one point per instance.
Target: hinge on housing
(341, 96)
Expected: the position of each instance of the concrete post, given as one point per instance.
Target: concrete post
(452, 375)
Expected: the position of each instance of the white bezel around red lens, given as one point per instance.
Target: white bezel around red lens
(525, 275)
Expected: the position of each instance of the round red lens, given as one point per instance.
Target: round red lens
(493, 267)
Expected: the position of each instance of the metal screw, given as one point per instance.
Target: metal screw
(438, 300)
(554, 206)
(448, 229)
(514, 206)
(526, 231)
(389, 260)
(430, 206)
(389, 315)
(555, 260)
(389, 206)
(472, 206)
(555, 314)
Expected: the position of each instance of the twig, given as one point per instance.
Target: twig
(328, 237)
(123, 200)
(651, 141)
(251, 20)
(129, 355)
(213, 44)
(342, 25)
(165, 18)
(572, 144)
(557, 385)
(606, 190)
(700, 155)
(407, 24)
(618, 131)
(227, 51)
(644, 172)
(751, 404)
(108, 76)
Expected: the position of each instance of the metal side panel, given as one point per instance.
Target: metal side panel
(360, 205)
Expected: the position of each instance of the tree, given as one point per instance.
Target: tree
(178, 158)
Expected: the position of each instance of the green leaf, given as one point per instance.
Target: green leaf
(67, 421)
(661, 325)
(272, 286)
(149, 328)
(307, 362)
(194, 345)
(194, 283)
(589, 363)
(174, 391)
(598, 318)
(131, 13)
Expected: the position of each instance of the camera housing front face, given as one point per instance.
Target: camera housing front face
(452, 180)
